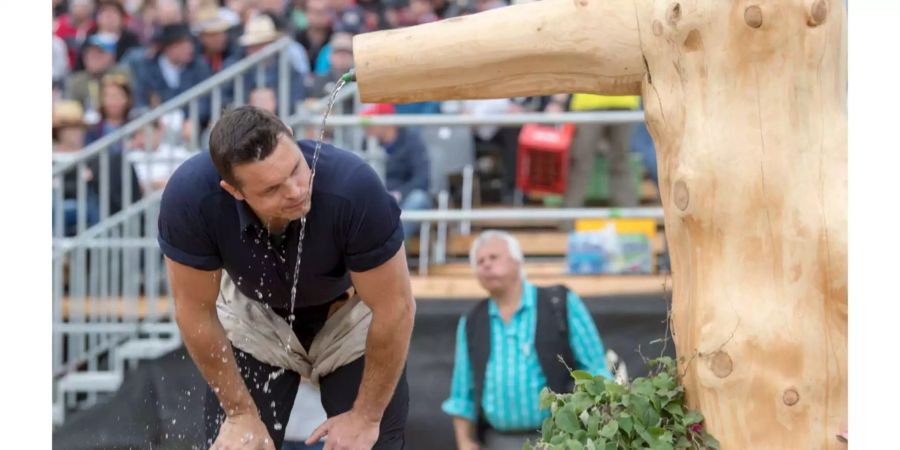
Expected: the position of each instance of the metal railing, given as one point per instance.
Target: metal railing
(108, 272)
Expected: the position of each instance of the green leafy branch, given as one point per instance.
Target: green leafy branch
(648, 413)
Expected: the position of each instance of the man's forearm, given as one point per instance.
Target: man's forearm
(464, 430)
(387, 345)
(211, 351)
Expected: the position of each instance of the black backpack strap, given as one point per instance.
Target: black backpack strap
(478, 340)
(552, 337)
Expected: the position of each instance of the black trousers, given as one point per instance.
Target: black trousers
(275, 397)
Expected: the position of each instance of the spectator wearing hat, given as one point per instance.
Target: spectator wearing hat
(115, 105)
(317, 32)
(151, 15)
(340, 60)
(68, 139)
(73, 27)
(407, 170)
(84, 85)
(175, 69)
(110, 25)
(260, 32)
(69, 130)
(212, 30)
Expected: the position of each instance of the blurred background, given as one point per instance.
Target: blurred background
(138, 84)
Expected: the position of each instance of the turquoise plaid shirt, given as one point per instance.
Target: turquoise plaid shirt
(514, 379)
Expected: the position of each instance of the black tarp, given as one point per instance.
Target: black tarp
(160, 404)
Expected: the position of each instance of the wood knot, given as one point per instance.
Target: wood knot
(790, 397)
(817, 13)
(681, 196)
(753, 16)
(657, 28)
(721, 364)
(673, 15)
(693, 42)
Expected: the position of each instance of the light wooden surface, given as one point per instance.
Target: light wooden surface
(747, 104)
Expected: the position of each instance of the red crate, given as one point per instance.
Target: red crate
(543, 162)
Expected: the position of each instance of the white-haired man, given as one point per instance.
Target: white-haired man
(507, 347)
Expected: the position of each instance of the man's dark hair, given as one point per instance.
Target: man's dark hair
(243, 135)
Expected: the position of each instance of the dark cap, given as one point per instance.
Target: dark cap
(171, 34)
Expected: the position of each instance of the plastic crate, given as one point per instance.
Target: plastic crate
(598, 187)
(542, 166)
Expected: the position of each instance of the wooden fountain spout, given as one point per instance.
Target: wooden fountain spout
(538, 48)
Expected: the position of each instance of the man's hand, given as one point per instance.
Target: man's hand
(347, 431)
(243, 431)
(469, 445)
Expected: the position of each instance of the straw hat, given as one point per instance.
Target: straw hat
(67, 113)
(211, 20)
(259, 30)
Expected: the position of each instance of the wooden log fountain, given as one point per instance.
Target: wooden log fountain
(746, 102)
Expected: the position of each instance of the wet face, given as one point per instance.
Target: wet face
(276, 188)
(495, 267)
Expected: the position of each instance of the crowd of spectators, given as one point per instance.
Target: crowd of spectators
(120, 58)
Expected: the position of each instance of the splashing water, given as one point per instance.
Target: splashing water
(291, 317)
(337, 87)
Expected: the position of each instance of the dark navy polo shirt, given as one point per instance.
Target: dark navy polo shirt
(353, 225)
